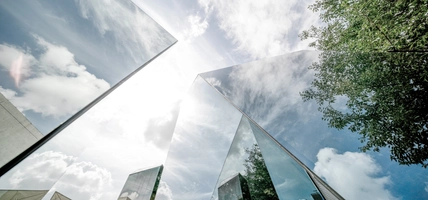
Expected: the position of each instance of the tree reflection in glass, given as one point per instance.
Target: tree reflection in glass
(257, 175)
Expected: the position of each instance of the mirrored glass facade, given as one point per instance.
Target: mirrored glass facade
(242, 132)
(58, 57)
(142, 185)
(199, 144)
(268, 92)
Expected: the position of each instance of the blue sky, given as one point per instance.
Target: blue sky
(102, 40)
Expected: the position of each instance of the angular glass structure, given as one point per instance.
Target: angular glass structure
(202, 137)
(213, 141)
(267, 91)
(142, 185)
(256, 166)
(61, 58)
(242, 132)
(245, 158)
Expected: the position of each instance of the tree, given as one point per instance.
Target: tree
(371, 26)
(374, 55)
(257, 175)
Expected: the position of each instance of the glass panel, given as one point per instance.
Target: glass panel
(142, 185)
(244, 174)
(93, 157)
(268, 92)
(203, 134)
(290, 179)
(56, 57)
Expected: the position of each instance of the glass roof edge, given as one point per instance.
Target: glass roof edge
(176, 40)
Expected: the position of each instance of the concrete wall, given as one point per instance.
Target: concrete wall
(16, 132)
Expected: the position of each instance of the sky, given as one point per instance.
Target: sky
(73, 51)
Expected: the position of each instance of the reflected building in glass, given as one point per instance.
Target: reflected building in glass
(142, 185)
(235, 188)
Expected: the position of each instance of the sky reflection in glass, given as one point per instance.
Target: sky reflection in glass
(56, 57)
(203, 134)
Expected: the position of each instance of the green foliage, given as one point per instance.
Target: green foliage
(257, 175)
(374, 55)
(368, 26)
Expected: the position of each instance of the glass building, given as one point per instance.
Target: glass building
(241, 132)
(241, 147)
(142, 185)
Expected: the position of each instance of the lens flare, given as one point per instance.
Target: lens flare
(16, 70)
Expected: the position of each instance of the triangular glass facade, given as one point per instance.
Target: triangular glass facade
(60, 61)
(268, 168)
(201, 140)
(244, 162)
(290, 179)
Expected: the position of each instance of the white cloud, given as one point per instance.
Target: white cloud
(43, 170)
(135, 32)
(56, 85)
(263, 28)
(85, 178)
(272, 84)
(198, 26)
(354, 175)
(163, 193)
(213, 81)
